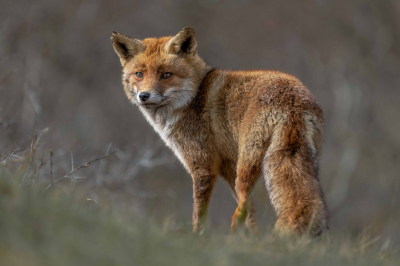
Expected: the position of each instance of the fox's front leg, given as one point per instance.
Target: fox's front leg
(203, 185)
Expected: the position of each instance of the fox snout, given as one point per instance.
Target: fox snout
(149, 97)
(144, 96)
(173, 97)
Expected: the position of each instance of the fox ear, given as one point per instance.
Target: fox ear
(125, 46)
(184, 42)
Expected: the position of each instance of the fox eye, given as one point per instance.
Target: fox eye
(166, 75)
(139, 74)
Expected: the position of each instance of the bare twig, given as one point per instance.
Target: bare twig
(72, 162)
(92, 160)
(38, 140)
(109, 146)
(42, 163)
(369, 243)
(31, 154)
(145, 160)
(51, 166)
(11, 155)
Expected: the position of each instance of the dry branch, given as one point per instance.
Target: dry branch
(92, 160)
(11, 155)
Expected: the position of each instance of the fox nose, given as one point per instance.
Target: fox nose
(144, 96)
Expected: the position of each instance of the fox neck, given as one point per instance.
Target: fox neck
(162, 117)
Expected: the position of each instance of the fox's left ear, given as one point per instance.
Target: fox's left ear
(125, 47)
(183, 43)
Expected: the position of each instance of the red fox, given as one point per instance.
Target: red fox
(235, 124)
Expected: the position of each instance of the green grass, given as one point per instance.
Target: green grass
(57, 228)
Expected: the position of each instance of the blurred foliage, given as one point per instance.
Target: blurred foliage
(58, 70)
(54, 228)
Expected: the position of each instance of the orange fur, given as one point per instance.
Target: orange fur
(234, 124)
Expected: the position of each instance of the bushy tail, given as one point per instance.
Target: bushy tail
(290, 171)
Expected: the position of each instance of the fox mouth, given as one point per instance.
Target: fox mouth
(151, 105)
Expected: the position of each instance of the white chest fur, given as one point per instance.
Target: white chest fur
(163, 125)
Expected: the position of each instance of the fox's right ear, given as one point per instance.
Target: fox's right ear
(126, 47)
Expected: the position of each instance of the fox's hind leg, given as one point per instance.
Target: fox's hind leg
(253, 142)
(290, 170)
(228, 172)
(247, 175)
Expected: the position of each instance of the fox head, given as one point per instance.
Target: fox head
(160, 73)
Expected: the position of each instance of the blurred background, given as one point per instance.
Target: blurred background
(58, 70)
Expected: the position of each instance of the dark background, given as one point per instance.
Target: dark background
(58, 70)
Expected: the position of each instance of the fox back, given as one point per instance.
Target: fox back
(239, 125)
